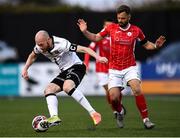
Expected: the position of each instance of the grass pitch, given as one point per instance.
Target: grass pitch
(17, 113)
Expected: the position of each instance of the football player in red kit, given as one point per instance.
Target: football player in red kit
(122, 64)
(103, 49)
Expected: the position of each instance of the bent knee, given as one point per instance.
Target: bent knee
(51, 88)
(137, 91)
(114, 96)
(68, 86)
(66, 89)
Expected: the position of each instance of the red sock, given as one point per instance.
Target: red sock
(141, 104)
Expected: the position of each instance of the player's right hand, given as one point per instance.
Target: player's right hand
(82, 25)
(102, 59)
(25, 74)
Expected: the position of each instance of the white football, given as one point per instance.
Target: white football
(40, 123)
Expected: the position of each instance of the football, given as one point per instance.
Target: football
(39, 123)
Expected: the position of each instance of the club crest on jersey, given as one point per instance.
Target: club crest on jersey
(129, 33)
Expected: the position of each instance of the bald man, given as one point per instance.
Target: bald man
(71, 71)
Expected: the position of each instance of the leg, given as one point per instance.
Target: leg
(69, 88)
(115, 85)
(116, 105)
(119, 110)
(72, 79)
(107, 94)
(115, 98)
(52, 103)
(140, 102)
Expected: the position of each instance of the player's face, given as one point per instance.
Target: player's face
(43, 43)
(123, 19)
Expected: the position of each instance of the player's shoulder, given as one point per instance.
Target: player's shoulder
(113, 25)
(110, 27)
(58, 39)
(60, 43)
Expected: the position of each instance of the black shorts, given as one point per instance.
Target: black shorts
(74, 73)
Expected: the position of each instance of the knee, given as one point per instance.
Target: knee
(48, 90)
(51, 88)
(66, 88)
(137, 91)
(113, 96)
(135, 87)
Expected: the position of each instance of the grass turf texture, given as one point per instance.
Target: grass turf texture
(16, 116)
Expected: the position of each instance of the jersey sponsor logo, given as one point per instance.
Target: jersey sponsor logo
(123, 41)
(118, 31)
(124, 38)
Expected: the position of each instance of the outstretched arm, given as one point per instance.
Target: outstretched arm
(98, 58)
(92, 45)
(86, 60)
(31, 58)
(159, 43)
(91, 36)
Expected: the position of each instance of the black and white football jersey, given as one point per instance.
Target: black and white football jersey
(63, 53)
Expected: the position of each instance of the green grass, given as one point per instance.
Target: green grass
(16, 116)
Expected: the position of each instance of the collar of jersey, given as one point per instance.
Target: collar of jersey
(49, 50)
(128, 26)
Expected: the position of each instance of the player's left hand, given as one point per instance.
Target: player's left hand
(160, 41)
(102, 59)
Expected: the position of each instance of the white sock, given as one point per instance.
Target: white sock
(52, 103)
(81, 99)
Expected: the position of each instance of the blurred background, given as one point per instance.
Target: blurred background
(21, 19)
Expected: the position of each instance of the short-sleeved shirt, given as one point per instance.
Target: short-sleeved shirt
(122, 45)
(62, 53)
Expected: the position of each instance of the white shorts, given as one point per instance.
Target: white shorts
(119, 78)
(102, 78)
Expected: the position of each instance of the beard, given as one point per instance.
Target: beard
(123, 25)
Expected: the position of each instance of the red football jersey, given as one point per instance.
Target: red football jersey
(122, 45)
(103, 49)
